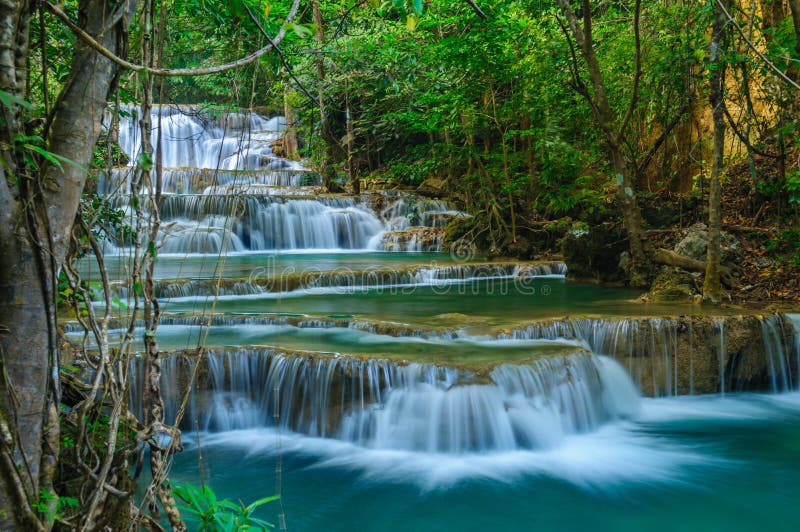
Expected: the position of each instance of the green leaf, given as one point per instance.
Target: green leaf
(53, 158)
(9, 100)
(265, 500)
(301, 30)
(145, 161)
(417, 6)
(237, 8)
(411, 22)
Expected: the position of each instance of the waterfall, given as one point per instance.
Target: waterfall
(720, 326)
(779, 370)
(657, 351)
(206, 223)
(794, 319)
(238, 223)
(199, 138)
(213, 181)
(225, 191)
(345, 281)
(409, 211)
(380, 404)
(662, 356)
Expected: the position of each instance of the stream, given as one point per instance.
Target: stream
(381, 384)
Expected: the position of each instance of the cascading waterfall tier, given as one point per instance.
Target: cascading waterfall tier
(225, 191)
(419, 407)
(663, 356)
(689, 355)
(217, 223)
(212, 181)
(204, 138)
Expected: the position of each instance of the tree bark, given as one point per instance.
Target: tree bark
(327, 170)
(794, 5)
(289, 135)
(626, 188)
(36, 215)
(712, 287)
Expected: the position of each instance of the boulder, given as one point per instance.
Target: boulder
(672, 285)
(433, 187)
(695, 245)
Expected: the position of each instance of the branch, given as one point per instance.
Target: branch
(280, 54)
(578, 83)
(102, 50)
(742, 137)
(476, 9)
(750, 45)
(660, 141)
(670, 258)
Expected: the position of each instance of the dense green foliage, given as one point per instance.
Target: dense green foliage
(210, 514)
(493, 107)
(498, 114)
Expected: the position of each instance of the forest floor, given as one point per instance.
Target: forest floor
(766, 270)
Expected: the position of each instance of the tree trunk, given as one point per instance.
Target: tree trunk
(36, 216)
(327, 170)
(289, 135)
(712, 287)
(626, 188)
(794, 5)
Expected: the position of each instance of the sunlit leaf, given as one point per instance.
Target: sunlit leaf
(411, 22)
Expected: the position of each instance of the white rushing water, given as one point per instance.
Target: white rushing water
(652, 344)
(198, 138)
(378, 404)
(226, 191)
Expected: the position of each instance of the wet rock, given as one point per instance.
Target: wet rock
(433, 187)
(413, 239)
(278, 148)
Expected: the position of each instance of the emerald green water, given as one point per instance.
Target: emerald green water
(691, 464)
(243, 265)
(489, 303)
(355, 342)
(686, 463)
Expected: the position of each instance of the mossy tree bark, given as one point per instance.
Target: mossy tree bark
(37, 209)
(712, 287)
(290, 134)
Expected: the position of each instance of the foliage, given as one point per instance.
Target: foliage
(215, 515)
(786, 243)
(55, 512)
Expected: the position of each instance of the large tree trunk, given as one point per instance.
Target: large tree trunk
(712, 287)
(36, 215)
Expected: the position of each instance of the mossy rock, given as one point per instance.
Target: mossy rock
(672, 285)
